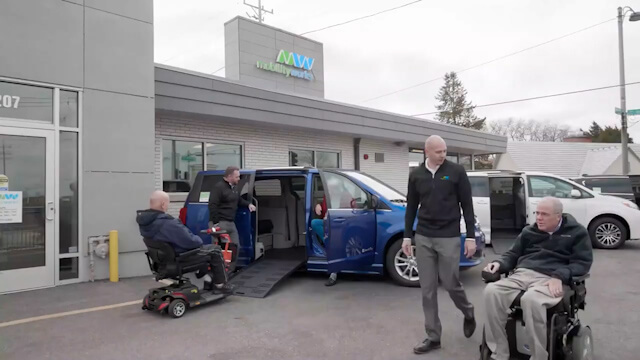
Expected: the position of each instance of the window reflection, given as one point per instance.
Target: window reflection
(18, 101)
(68, 192)
(68, 108)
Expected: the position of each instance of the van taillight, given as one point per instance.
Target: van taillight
(183, 215)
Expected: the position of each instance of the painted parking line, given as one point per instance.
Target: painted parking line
(68, 313)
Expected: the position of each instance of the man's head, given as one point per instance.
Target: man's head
(159, 201)
(435, 149)
(232, 175)
(548, 214)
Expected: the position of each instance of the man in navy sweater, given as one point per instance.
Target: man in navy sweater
(157, 225)
(441, 188)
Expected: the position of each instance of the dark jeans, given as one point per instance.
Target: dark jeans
(216, 263)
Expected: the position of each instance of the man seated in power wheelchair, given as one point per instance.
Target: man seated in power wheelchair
(531, 313)
(185, 253)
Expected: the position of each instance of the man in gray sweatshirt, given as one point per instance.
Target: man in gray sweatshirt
(545, 256)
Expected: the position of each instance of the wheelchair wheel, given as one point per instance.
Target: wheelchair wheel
(177, 308)
(582, 345)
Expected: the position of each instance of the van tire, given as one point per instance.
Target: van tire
(607, 223)
(390, 265)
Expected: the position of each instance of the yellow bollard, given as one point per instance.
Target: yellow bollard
(113, 256)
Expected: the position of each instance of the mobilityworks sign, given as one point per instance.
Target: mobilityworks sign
(302, 63)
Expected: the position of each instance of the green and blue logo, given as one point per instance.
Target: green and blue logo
(9, 196)
(445, 177)
(302, 63)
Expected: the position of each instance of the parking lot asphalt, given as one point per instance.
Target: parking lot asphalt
(362, 317)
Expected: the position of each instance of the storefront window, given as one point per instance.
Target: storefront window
(319, 159)
(465, 161)
(453, 157)
(182, 160)
(68, 108)
(221, 156)
(26, 102)
(68, 192)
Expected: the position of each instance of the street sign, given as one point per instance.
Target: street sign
(629, 112)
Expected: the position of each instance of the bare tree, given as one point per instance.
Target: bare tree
(529, 130)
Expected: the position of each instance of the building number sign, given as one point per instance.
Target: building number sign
(8, 101)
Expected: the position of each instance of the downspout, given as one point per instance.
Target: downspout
(356, 153)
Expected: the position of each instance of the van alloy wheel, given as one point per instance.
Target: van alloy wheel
(608, 234)
(406, 267)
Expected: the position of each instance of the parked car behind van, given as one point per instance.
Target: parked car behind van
(505, 202)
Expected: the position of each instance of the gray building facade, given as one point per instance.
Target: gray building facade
(90, 126)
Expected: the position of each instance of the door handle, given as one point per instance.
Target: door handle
(339, 220)
(50, 210)
(482, 202)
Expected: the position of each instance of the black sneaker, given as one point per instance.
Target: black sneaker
(469, 327)
(426, 346)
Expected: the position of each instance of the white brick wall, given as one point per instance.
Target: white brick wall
(269, 147)
(395, 168)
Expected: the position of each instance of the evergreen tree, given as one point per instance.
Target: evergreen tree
(454, 107)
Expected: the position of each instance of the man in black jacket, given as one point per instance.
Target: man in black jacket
(545, 257)
(223, 205)
(440, 188)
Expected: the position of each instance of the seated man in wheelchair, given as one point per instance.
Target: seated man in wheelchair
(157, 225)
(544, 259)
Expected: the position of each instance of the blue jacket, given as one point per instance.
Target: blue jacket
(160, 226)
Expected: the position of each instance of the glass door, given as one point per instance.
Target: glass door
(27, 210)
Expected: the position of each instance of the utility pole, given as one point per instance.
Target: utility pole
(258, 10)
(623, 100)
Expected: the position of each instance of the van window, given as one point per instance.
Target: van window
(202, 189)
(298, 184)
(541, 186)
(479, 186)
(608, 186)
(268, 187)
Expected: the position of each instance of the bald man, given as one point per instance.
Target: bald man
(440, 188)
(545, 256)
(157, 225)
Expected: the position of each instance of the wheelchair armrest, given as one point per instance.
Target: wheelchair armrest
(579, 279)
(187, 254)
(214, 232)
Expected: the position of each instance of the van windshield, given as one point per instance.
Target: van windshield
(381, 188)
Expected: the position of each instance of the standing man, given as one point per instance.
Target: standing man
(223, 205)
(441, 188)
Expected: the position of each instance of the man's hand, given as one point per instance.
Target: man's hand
(252, 208)
(407, 249)
(469, 247)
(555, 287)
(492, 267)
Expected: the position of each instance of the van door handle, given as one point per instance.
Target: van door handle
(482, 202)
(339, 220)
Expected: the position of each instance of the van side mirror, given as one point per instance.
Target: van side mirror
(575, 193)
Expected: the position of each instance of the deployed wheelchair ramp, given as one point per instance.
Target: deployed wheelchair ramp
(259, 278)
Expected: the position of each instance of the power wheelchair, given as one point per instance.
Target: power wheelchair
(180, 295)
(567, 338)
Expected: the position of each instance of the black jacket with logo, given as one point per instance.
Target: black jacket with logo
(223, 202)
(440, 198)
(564, 254)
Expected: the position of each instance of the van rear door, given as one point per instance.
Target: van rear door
(480, 192)
(197, 210)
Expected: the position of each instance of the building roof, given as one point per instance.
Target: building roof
(191, 94)
(567, 159)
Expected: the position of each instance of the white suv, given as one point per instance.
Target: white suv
(505, 202)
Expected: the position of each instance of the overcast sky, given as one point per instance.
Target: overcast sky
(421, 42)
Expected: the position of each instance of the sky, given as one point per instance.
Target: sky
(423, 41)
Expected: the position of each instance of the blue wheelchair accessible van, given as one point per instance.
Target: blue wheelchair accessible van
(361, 233)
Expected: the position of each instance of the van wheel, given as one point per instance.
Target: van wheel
(607, 233)
(403, 270)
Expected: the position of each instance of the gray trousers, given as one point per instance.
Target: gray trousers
(230, 227)
(439, 258)
(499, 295)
